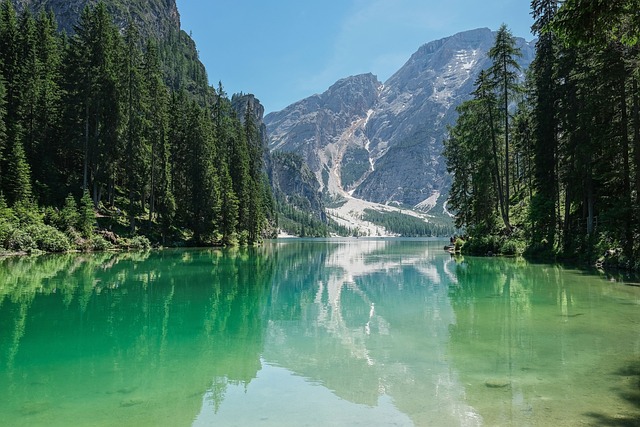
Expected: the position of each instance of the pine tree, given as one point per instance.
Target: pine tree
(161, 199)
(17, 174)
(504, 72)
(256, 208)
(27, 79)
(94, 49)
(471, 152)
(69, 215)
(543, 211)
(238, 162)
(137, 151)
(50, 174)
(13, 159)
(229, 208)
(87, 216)
(3, 129)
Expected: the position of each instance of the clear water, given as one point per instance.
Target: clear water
(314, 333)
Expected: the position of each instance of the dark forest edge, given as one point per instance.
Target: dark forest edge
(550, 168)
(102, 145)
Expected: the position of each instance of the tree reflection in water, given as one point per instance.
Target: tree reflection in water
(390, 331)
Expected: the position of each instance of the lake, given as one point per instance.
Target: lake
(388, 332)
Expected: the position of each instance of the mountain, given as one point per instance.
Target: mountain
(154, 17)
(383, 142)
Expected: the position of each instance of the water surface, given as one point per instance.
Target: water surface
(344, 332)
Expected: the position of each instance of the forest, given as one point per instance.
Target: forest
(104, 128)
(549, 165)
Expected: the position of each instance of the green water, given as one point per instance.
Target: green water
(315, 333)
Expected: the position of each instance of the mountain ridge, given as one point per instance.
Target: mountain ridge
(389, 152)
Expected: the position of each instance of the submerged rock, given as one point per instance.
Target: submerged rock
(497, 383)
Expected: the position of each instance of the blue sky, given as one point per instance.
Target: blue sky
(286, 50)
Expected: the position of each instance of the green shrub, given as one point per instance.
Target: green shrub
(20, 241)
(138, 242)
(48, 238)
(513, 247)
(483, 245)
(98, 243)
(6, 230)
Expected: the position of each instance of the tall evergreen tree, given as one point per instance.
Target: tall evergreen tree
(256, 208)
(545, 96)
(16, 173)
(48, 173)
(94, 49)
(161, 199)
(473, 158)
(3, 129)
(137, 152)
(504, 71)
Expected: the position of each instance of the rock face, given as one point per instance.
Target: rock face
(291, 179)
(383, 142)
(154, 17)
(326, 129)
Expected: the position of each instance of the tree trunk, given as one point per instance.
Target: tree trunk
(626, 174)
(506, 145)
(85, 178)
(152, 195)
(636, 138)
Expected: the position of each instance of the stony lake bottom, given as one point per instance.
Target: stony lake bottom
(314, 332)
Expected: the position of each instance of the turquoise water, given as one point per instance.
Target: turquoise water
(345, 332)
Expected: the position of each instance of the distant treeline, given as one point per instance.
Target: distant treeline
(92, 113)
(407, 225)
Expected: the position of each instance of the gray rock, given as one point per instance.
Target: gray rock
(154, 17)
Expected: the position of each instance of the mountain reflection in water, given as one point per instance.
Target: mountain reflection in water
(315, 332)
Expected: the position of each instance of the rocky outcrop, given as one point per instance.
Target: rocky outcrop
(383, 143)
(155, 18)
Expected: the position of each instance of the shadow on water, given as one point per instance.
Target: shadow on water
(629, 391)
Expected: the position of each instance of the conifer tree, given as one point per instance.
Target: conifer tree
(161, 199)
(69, 215)
(50, 173)
(136, 148)
(94, 49)
(27, 79)
(238, 162)
(229, 207)
(16, 173)
(256, 208)
(545, 97)
(505, 75)
(3, 129)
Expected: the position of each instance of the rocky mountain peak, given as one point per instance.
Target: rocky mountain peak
(383, 143)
